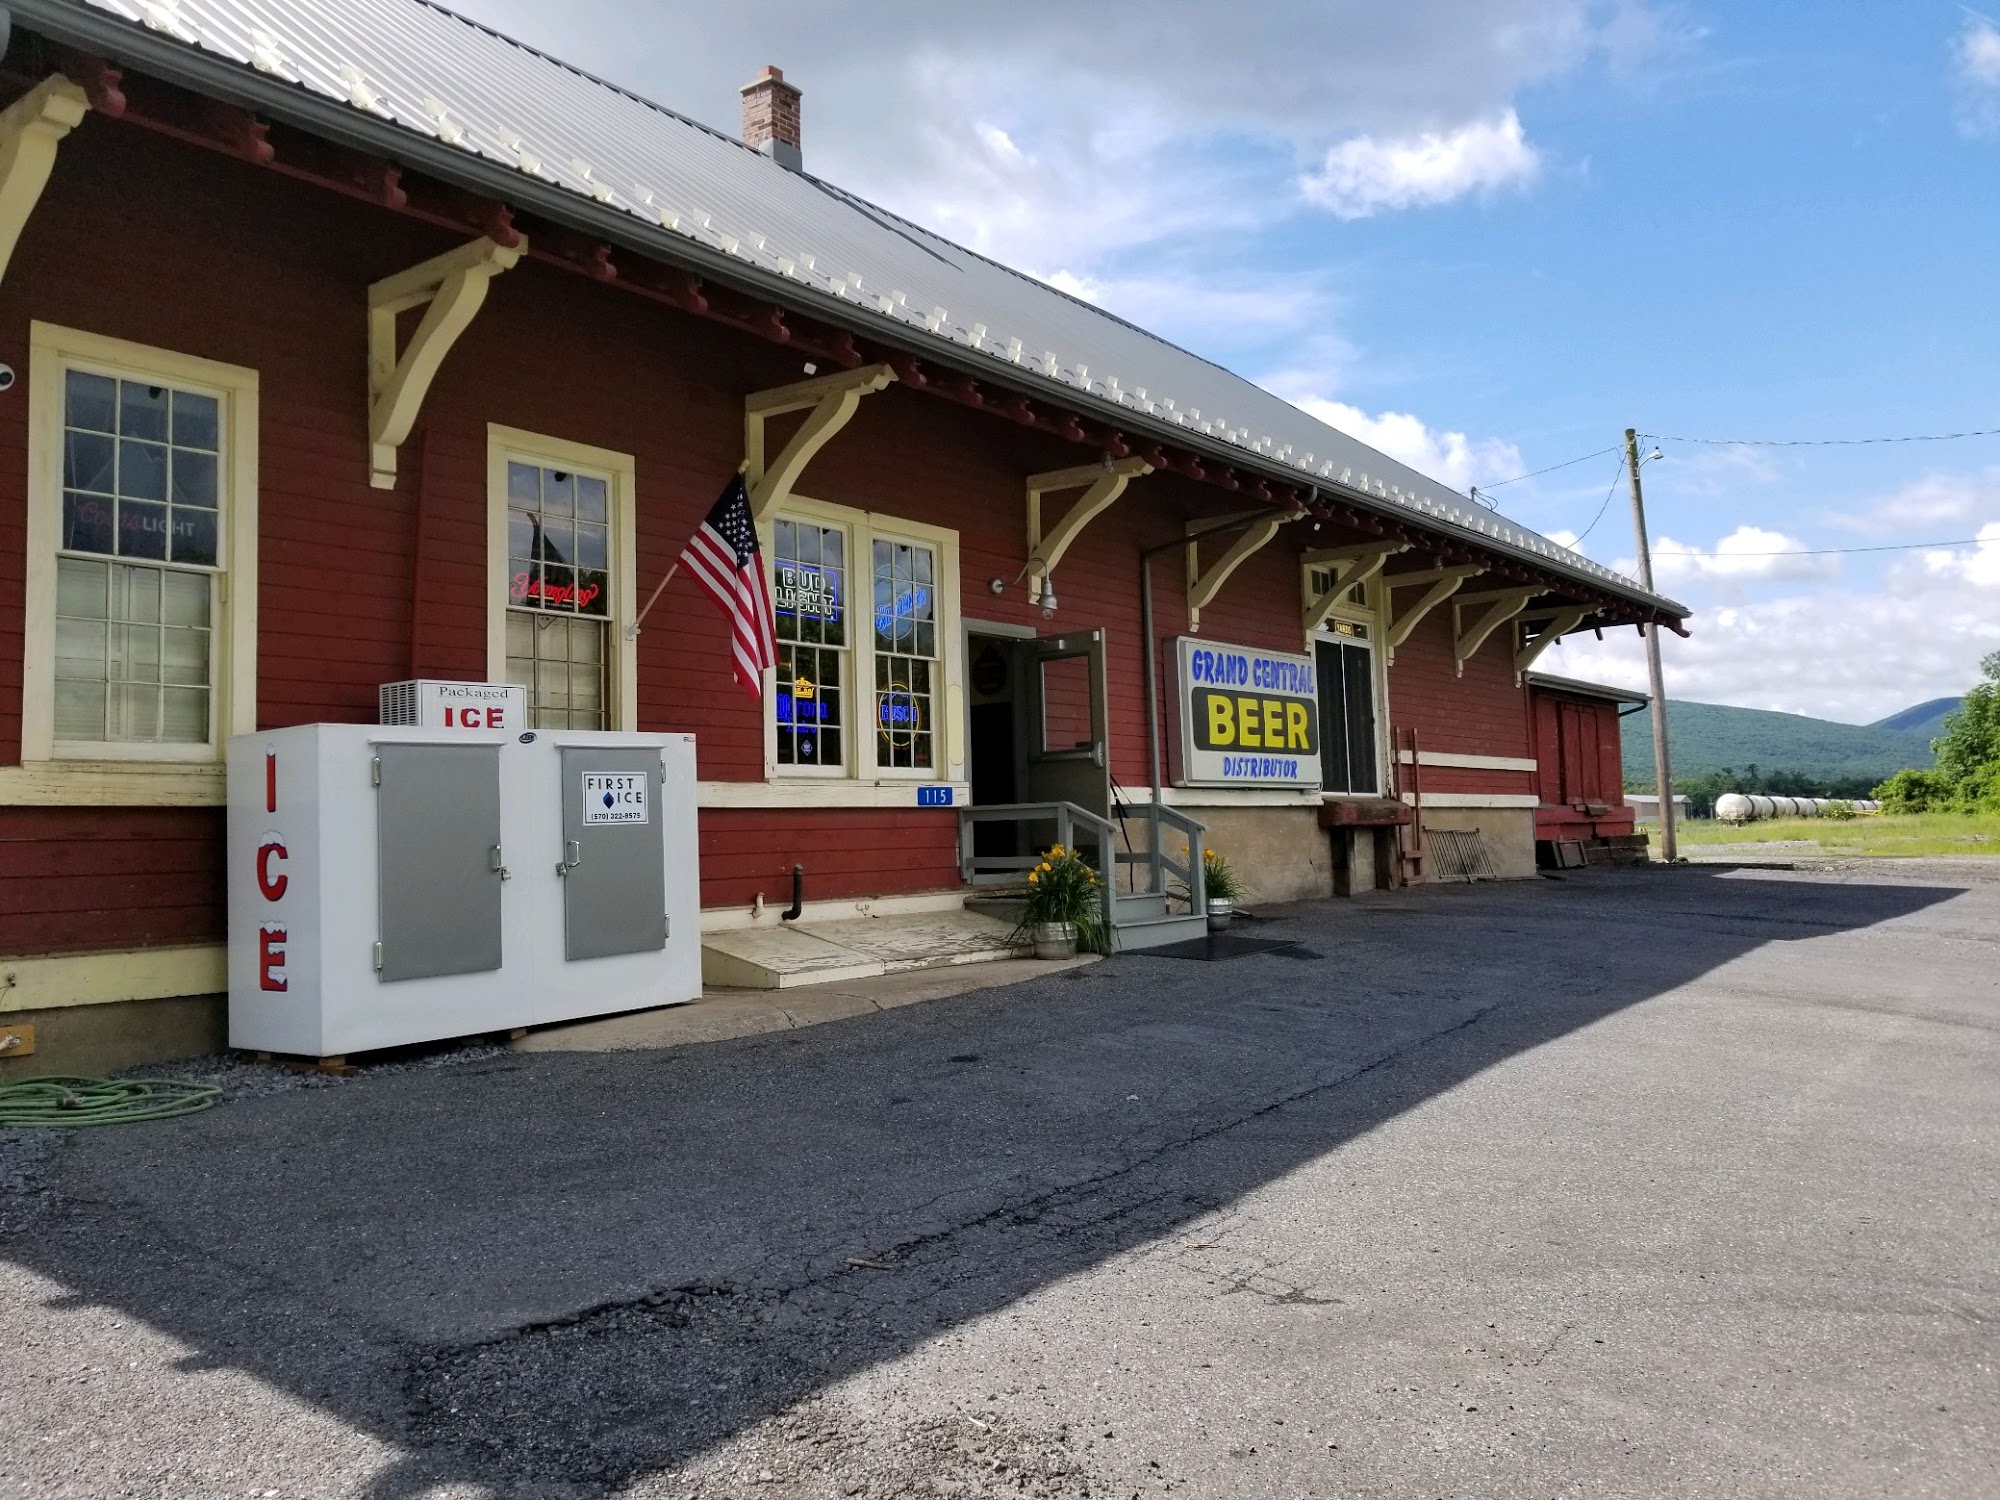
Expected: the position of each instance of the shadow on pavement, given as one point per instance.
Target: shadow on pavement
(552, 1272)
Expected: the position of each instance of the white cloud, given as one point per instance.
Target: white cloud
(1976, 62)
(1854, 650)
(1451, 458)
(1365, 175)
(1747, 552)
(1919, 508)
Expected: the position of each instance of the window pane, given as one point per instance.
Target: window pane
(194, 536)
(142, 410)
(87, 461)
(135, 595)
(134, 713)
(80, 588)
(184, 715)
(142, 470)
(194, 478)
(184, 599)
(142, 529)
(520, 535)
(80, 649)
(593, 498)
(87, 523)
(90, 401)
(558, 493)
(593, 593)
(184, 658)
(135, 653)
(79, 709)
(592, 546)
(524, 486)
(520, 636)
(586, 686)
(195, 424)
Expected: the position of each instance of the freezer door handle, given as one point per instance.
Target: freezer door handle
(497, 864)
(572, 857)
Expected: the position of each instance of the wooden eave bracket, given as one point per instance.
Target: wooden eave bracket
(1558, 624)
(31, 128)
(1203, 587)
(454, 287)
(1349, 566)
(1101, 483)
(831, 401)
(1439, 585)
(1502, 605)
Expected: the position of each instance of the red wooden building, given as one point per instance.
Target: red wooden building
(360, 344)
(1580, 766)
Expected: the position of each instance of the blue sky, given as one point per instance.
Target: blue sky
(1487, 235)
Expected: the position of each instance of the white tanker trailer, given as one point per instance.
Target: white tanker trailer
(1737, 807)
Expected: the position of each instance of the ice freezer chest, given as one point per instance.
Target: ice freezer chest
(393, 884)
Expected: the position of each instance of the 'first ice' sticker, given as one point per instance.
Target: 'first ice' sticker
(610, 797)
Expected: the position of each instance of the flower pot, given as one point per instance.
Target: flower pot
(1220, 910)
(1054, 939)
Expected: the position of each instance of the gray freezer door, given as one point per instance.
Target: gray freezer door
(614, 865)
(437, 832)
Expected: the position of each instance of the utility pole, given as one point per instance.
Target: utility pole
(1663, 771)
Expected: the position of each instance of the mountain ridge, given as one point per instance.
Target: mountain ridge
(1707, 737)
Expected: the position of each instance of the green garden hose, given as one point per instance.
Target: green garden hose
(66, 1102)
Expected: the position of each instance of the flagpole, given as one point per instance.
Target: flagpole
(632, 630)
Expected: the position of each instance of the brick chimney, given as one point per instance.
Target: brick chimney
(771, 118)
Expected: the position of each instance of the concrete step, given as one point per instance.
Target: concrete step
(1156, 932)
(1126, 909)
(776, 957)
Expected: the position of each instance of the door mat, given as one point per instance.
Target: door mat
(1218, 946)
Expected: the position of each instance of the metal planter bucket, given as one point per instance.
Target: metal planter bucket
(1054, 939)
(1219, 913)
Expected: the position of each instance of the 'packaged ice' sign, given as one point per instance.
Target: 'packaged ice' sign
(1248, 717)
(614, 797)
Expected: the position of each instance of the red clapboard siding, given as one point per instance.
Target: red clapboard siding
(847, 854)
(1483, 712)
(76, 879)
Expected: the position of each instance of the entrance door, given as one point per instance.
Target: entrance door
(614, 868)
(1068, 722)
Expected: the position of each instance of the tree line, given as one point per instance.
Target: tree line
(1966, 777)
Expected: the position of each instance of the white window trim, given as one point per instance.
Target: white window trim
(864, 529)
(46, 764)
(1371, 616)
(621, 469)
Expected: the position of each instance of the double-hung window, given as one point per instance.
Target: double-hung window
(866, 607)
(560, 543)
(141, 516)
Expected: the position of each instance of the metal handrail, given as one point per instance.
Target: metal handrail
(991, 869)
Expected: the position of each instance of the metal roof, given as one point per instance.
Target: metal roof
(459, 100)
(1583, 689)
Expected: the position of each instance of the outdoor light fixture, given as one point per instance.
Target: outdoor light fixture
(1048, 595)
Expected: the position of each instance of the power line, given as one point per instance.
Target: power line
(1920, 437)
(1536, 474)
(1971, 541)
(1607, 501)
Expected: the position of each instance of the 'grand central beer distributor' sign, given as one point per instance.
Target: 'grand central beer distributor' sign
(1248, 717)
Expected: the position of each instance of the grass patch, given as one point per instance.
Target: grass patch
(1879, 835)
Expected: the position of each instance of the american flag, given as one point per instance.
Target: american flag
(724, 560)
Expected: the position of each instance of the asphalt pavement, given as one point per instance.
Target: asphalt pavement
(1652, 1182)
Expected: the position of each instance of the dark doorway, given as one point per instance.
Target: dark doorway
(994, 740)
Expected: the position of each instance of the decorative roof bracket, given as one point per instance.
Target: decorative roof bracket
(450, 288)
(1101, 484)
(1444, 582)
(30, 130)
(830, 403)
(1203, 587)
(1502, 605)
(1349, 566)
(1558, 625)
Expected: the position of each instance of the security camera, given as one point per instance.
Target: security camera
(6, 377)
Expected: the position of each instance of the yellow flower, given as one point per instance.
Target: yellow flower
(1033, 876)
(1044, 865)
(1056, 853)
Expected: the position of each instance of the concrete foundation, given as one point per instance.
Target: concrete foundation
(1509, 833)
(1281, 853)
(104, 1038)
